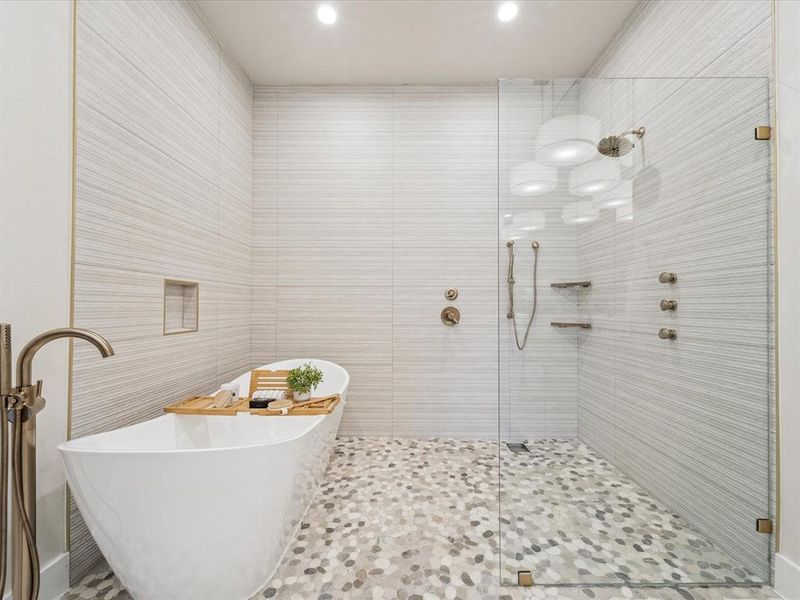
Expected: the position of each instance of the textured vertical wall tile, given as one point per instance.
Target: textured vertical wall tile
(164, 191)
(369, 203)
(264, 228)
(689, 419)
(369, 401)
(426, 188)
(136, 102)
(342, 324)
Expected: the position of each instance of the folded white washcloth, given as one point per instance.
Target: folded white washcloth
(269, 395)
(222, 399)
(233, 388)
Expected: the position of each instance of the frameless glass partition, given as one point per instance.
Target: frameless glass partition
(634, 233)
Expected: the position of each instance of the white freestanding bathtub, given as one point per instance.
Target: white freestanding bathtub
(203, 508)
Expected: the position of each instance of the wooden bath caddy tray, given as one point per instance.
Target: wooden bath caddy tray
(201, 405)
(259, 380)
(314, 406)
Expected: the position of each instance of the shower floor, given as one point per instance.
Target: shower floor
(570, 516)
(417, 520)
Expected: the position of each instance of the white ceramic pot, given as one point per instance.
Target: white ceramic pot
(301, 397)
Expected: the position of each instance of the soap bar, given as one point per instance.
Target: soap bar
(259, 403)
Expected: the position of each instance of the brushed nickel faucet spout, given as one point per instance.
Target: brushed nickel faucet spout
(25, 360)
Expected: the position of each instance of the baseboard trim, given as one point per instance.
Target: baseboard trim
(55, 579)
(787, 578)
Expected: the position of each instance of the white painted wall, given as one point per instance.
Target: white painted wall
(787, 561)
(35, 217)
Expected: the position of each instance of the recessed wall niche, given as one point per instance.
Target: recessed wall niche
(181, 305)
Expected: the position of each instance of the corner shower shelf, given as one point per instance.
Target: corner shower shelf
(575, 325)
(571, 284)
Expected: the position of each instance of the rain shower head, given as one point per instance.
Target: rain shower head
(618, 145)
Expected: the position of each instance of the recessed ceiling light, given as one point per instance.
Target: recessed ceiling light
(326, 14)
(507, 11)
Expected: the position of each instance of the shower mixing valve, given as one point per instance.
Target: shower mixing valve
(450, 316)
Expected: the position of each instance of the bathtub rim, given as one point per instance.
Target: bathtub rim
(73, 445)
(66, 448)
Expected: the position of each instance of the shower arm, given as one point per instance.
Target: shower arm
(638, 132)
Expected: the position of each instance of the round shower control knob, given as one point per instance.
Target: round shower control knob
(669, 305)
(451, 294)
(667, 334)
(667, 277)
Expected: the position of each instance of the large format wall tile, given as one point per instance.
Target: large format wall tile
(164, 190)
(264, 230)
(138, 207)
(369, 202)
(427, 267)
(137, 104)
(342, 324)
(169, 44)
(419, 166)
(369, 401)
(690, 419)
(679, 38)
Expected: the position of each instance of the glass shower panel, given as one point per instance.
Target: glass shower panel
(634, 423)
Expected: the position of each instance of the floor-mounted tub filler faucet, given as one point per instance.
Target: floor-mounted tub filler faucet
(21, 403)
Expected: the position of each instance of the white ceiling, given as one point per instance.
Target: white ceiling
(413, 41)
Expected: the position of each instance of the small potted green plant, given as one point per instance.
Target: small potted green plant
(303, 380)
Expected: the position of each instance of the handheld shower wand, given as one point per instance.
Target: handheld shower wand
(510, 283)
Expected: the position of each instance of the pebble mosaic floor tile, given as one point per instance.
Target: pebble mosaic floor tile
(417, 520)
(570, 516)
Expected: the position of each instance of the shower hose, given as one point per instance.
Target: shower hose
(19, 499)
(3, 493)
(511, 314)
(18, 494)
